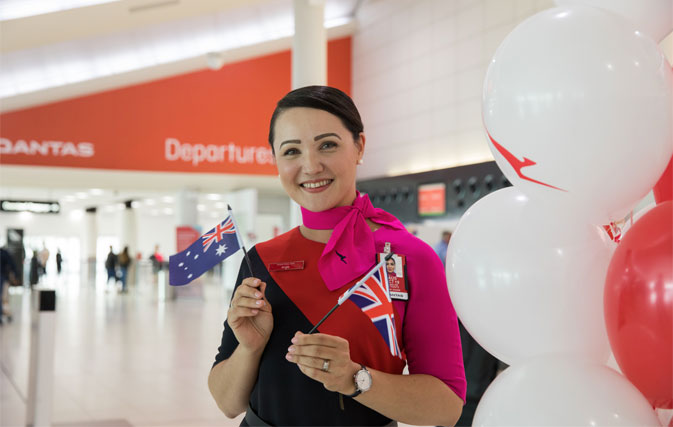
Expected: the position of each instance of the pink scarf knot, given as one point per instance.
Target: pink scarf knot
(351, 249)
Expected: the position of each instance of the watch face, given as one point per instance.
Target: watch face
(363, 380)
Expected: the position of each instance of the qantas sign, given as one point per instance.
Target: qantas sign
(46, 148)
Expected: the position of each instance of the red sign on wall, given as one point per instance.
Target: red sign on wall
(186, 235)
(205, 121)
(432, 199)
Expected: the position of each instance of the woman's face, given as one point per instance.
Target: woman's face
(390, 266)
(316, 158)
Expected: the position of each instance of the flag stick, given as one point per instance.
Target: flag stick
(347, 295)
(240, 241)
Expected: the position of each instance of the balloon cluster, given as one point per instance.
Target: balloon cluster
(578, 110)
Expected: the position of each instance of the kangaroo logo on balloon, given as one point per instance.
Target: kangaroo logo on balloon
(518, 164)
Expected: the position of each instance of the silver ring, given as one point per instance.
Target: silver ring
(325, 365)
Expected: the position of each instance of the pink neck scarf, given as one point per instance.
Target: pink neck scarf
(351, 249)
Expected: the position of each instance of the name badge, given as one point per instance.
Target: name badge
(396, 267)
(286, 266)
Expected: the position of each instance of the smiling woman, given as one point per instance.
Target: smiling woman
(349, 373)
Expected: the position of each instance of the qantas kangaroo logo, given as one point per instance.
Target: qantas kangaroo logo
(518, 164)
(343, 257)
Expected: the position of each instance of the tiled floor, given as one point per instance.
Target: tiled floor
(120, 359)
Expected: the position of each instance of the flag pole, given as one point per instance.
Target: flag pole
(348, 294)
(240, 241)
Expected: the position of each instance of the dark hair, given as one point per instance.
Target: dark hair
(324, 98)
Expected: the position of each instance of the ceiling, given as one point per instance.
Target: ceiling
(52, 50)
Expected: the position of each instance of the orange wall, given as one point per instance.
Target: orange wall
(222, 115)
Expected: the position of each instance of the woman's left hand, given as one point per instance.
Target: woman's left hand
(313, 353)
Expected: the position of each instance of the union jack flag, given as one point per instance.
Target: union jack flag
(206, 251)
(373, 298)
(217, 233)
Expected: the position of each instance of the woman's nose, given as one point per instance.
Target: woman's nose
(312, 164)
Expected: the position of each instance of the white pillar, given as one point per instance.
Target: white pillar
(130, 239)
(186, 211)
(309, 58)
(129, 228)
(41, 369)
(90, 240)
(309, 45)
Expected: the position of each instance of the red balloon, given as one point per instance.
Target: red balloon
(638, 304)
(663, 190)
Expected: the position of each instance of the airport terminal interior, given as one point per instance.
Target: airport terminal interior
(137, 123)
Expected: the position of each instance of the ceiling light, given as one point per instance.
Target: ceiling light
(76, 215)
(13, 9)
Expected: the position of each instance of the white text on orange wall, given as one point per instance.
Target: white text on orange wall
(211, 153)
(46, 148)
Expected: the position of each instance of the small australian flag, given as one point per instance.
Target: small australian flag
(208, 250)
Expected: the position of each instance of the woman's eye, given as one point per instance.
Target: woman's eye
(290, 152)
(327, 145)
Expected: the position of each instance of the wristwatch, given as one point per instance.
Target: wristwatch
(362, 380)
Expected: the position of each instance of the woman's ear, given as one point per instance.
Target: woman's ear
(361, 146)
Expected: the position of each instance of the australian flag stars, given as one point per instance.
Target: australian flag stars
(208, 250)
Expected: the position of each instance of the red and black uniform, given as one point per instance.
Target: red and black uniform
(282, 394)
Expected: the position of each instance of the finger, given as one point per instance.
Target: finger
(248, 302)
(314, 373)
(306, 361)
(314, 351)
(249, 288)
(319, 339)
(236, 313)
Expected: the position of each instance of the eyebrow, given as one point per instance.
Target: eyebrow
(325, 135)
(290, 141)
(296, 141)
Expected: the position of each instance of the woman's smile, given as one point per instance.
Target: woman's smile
(316, 186)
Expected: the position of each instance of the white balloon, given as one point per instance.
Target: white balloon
(654, 17)
(525, 281)
(579, 110)
(556, 391)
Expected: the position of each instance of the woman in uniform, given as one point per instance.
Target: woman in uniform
(346, 373)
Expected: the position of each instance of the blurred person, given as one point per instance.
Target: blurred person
(124, 263)
(8, 275)
(347, 374)
(157, 259)
(34, 272)
(43, 256)
(59, 261)
(442, 246)
(111, 266)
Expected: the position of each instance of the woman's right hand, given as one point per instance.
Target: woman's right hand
(250, 315)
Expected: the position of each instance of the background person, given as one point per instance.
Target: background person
(111, 266)
(124, 263)
(266, 365)
(59, 261)
(442, 246)
(8, 274)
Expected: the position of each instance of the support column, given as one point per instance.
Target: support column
(309, 45)
(309, 58)
(186, 215)
(130, 239)
(41, 367)
(90, 240)
(186, 212)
